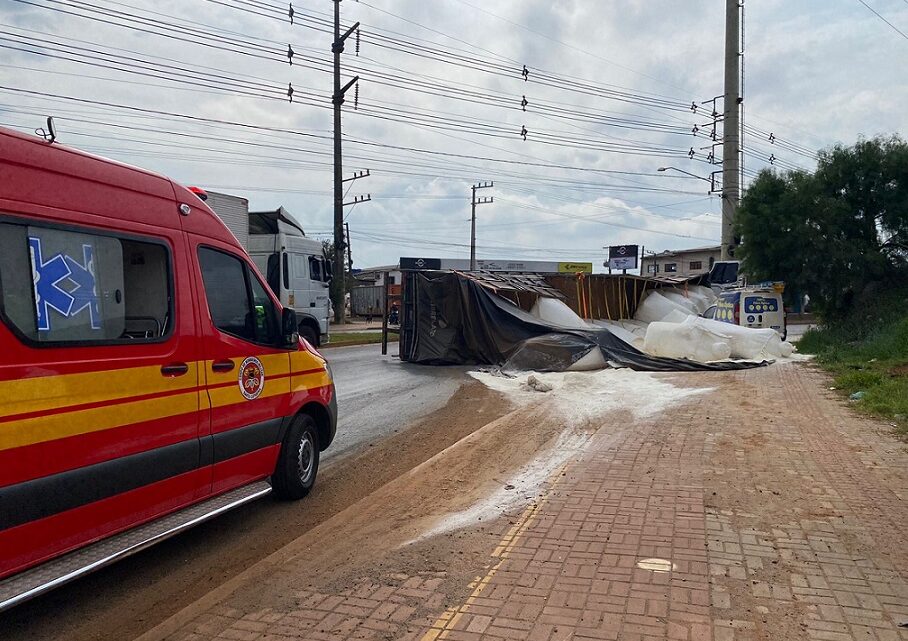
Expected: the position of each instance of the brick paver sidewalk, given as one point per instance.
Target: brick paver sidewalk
(762, 510)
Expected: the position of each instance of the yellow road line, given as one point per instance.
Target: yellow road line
(448, 620)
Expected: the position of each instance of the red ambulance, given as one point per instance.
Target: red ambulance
(149, 379)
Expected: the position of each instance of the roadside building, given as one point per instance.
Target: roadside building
(681, 262)
(376, 275)
(367, 297)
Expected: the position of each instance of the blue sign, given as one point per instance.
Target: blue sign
(65, 285)
(760, 304)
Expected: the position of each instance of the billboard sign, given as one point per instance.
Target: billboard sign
(623, 256)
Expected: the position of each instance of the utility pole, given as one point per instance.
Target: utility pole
(473, 202)
(731, 144)
(349, 253)
(337, 99)
(365, 173)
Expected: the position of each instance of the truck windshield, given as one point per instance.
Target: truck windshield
(724, 273)
(319, 269)
(315, 268)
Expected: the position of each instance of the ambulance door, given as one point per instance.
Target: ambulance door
(247, 372)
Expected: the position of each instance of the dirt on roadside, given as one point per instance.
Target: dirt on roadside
(444, 516)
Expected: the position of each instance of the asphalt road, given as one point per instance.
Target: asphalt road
(381, 402)
(378, 394)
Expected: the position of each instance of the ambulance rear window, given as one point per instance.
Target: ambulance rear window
(67, 287)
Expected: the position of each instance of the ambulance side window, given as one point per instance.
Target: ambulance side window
(237, 301)
(266, 323)
(66, 287)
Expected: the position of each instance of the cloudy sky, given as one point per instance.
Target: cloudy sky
(439, 107)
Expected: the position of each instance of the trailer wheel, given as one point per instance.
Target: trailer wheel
(309, 334)
(297, 463)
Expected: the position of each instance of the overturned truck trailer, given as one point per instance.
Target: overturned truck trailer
(482, 318)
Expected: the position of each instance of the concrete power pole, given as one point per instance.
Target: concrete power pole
(337, 99)
(473, 203)
(731, 144)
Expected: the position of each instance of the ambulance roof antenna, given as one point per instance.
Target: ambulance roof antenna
(50, 135)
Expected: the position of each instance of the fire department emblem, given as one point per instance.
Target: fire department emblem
(252, 378)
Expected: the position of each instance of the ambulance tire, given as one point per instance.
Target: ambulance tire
(309, 334)
(297, 464)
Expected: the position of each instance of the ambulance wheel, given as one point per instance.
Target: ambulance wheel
(297, 463)
(309, 334)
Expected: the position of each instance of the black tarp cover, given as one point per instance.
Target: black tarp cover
(459, 322)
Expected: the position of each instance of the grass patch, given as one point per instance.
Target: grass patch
(358, 338)
(868, 352)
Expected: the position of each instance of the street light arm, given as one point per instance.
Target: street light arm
(685, 172)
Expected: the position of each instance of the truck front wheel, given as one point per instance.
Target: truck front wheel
(297, 464)
(309, 334)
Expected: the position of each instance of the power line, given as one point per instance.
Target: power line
(277, 93)
(272, 160)
(382, 110)
(878, 15)
(484, 65)
(808, 153)
(353, 140)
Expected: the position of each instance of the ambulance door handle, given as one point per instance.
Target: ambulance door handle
(174, 369)
(222, 366)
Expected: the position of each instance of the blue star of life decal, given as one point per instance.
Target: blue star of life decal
(50, 277)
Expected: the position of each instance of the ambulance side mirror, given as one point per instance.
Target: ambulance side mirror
(289, 330)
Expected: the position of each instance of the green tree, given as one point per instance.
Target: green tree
(772, 224)
(831, 233)
(336, 280)
(870, 182)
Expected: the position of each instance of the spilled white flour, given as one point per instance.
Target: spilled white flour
(581, 396)
(575, 399)
(795, 358)
(524, 484)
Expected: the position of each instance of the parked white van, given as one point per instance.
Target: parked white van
(757, 307)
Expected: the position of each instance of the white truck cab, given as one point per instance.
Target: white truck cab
(295, 267)
(293, 264)
(725, 274)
